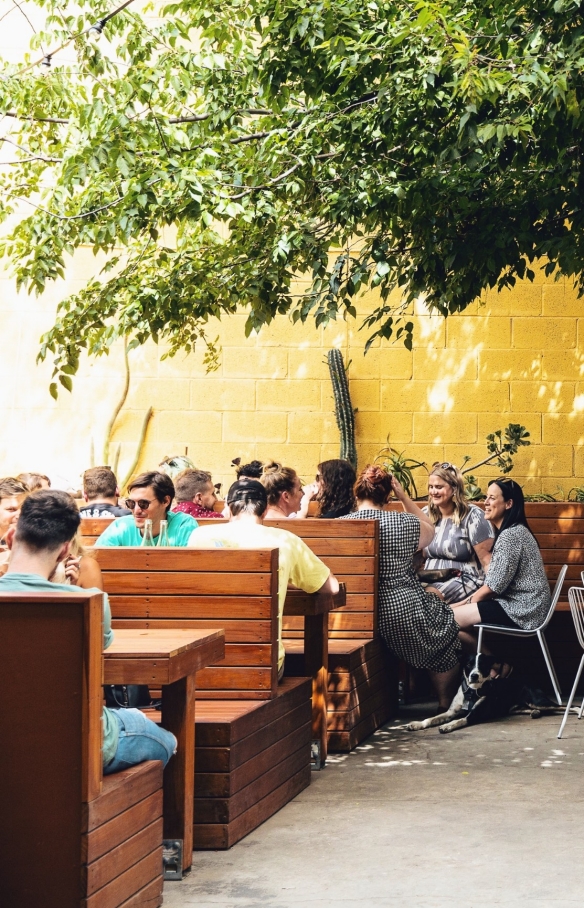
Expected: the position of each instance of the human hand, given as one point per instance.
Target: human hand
(72, 569)
(398, 490)
(310, 491)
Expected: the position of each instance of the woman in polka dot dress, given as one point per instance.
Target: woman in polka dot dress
(416, 624)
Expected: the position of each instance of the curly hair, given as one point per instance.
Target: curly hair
(373, 483)
(337, 478)
(451, 475)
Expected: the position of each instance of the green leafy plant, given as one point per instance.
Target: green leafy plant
(501, 445)
(576, 494)
(543, 496)
(424, 146)
(395, 462)
(472, 489)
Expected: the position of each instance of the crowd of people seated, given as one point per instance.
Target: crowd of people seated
(487, 563)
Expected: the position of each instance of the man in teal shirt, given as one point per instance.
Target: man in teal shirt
(149, 498)
(40, 540)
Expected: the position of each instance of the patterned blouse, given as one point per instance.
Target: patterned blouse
(453, 546)
(517, 577)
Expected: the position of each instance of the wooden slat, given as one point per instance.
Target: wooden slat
(239, 631)
(213, 607)
(212, 560)
(192, 582)
(112, 833)
(561, 540)
(126, 885)
(552, 525)
(128, 852)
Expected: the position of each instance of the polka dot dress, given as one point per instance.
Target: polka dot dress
(417, 626)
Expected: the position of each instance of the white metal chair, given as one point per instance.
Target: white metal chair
(576, 599)
(537, 632)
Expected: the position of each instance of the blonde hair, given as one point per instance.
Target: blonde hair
(454, 478)
(277, 479)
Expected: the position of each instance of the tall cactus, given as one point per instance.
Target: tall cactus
(343, 407)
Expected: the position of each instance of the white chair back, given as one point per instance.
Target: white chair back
(576, 600)
(555, 595)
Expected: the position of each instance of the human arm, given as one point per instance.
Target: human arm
(483, 552)
(89, 573)
(426, 525)
(309, 494)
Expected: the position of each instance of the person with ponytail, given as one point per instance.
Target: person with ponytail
(416, 624)
(516, 592)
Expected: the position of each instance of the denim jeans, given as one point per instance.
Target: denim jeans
(140, 739)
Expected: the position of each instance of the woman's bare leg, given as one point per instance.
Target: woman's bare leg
(446, 685)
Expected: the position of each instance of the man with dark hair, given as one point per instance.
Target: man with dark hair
(149, 498)
(247, 502)
(101, 492)
(12, 494)
(39, 542)
(195, 494)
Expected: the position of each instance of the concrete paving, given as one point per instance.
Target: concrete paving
(487, 816)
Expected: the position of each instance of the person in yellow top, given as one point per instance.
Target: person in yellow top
(247, 502)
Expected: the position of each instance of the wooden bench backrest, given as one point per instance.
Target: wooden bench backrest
(350, 548)
(559, 529)
(92, 527)
(204, 588)
(50, 763)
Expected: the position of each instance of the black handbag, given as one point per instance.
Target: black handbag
(127, 696)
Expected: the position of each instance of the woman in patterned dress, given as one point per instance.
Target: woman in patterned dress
(516, 592)
(463, 537)
(416, 624)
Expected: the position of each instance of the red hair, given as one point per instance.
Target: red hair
(373, 483)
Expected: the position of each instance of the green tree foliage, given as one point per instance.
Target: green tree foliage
(430, 146)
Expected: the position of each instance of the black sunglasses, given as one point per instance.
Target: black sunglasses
(142, 503)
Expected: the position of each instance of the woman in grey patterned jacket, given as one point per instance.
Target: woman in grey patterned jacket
(516, 592)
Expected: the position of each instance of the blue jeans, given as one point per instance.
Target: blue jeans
(140, 739)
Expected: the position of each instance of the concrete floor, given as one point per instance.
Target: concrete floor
(487, 816)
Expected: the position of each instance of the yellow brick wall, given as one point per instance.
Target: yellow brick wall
(512, 357)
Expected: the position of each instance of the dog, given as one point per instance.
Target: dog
(483, 696)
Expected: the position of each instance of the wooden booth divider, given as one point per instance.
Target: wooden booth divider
(68, 839)
(252, 735)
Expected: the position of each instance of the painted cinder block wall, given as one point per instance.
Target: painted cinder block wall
(516, 356)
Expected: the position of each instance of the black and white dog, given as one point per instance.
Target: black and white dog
(483, 696)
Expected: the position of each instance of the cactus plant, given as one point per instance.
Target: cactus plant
(343, 407)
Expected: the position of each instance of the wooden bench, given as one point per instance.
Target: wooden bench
(68, 838)
(252, 735)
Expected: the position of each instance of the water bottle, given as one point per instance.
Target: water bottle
(163, 535)
(147, 538)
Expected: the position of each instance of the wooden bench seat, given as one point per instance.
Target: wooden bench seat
(235, 590)
(67, 838)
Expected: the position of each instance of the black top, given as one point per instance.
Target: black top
(103, 509)
(338, 512)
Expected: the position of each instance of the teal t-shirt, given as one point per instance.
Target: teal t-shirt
(124, 531)
(34, 583)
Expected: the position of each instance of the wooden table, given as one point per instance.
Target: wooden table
(315, 612)
(169, 659)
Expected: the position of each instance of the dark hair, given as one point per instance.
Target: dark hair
(161, 484)
(100, 482)
(10, 487)
(337, 478)
(251, 470)
(33, 481)
(247, 495)
(373, 483)
(277, 479)
(189, 482)
(48, 519)
(515, 515)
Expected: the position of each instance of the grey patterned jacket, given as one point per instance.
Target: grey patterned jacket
(517, 577)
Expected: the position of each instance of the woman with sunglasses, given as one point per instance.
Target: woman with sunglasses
(516, 592)
(463, 537)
